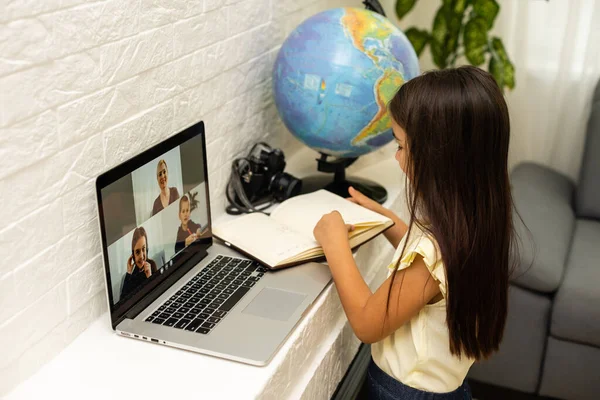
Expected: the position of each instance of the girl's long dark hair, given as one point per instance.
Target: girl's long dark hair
(457, 132)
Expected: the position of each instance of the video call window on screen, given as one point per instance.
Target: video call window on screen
(152, 214)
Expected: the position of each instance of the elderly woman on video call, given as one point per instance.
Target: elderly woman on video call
(167, 195)
(139, 267)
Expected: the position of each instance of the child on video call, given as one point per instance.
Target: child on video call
(188, 231)
(444, 303)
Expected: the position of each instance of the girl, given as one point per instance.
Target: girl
(444, 303)
(188, 231)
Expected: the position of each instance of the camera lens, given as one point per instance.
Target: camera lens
(283, 186)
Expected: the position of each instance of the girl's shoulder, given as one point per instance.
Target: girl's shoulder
(423, 244)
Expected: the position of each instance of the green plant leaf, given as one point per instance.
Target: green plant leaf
(475, 40)
(457, 6)
(403, 7)
(496, 68)
(444, 35)
(418, 39)
(500, 66)
(438, 39)
(454, 22)
(486, 9)
(440, 28)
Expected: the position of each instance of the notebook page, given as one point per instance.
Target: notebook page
(302, 213)
(264, 238)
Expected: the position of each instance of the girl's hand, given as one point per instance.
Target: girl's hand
(147, 269)
(394, 234)
(130, 265)
(362, 200)
(331, 230)
(190, 239)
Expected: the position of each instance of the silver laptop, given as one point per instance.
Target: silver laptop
(169, 283)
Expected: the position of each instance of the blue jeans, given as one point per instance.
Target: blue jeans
(381, 386)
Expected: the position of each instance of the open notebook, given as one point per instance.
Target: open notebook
(286, 237)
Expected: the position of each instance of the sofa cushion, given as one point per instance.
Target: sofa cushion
(517, 365)
(588, 190)
(576, 311)
(570, 371)
(543, 198)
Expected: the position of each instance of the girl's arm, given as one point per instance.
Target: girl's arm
(394, 234)
(412, 289)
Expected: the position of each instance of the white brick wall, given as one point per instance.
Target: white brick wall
(85, 85)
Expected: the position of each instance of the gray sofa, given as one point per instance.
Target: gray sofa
(551, 345)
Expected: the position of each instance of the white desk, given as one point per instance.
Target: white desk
(102, 365)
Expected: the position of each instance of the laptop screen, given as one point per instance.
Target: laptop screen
(152, 208)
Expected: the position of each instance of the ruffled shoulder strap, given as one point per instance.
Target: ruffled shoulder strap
(422, 244)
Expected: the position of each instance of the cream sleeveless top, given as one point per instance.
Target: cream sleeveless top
(418, 353)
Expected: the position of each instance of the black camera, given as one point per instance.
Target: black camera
(265, 177)
(261, 178)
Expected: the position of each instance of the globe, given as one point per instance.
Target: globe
(334, 75)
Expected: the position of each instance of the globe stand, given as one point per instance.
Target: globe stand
(340, 184)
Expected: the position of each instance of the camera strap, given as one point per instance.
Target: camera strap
(238, 201)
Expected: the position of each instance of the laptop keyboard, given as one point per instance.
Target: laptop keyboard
(207, 298)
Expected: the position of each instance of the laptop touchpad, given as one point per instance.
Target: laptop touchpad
(274, 304)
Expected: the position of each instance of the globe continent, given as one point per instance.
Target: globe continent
(333, 78)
